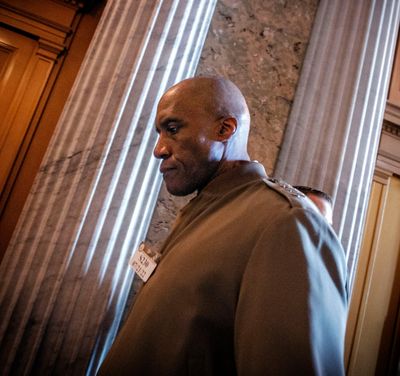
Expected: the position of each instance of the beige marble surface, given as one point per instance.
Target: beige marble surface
(260, 45)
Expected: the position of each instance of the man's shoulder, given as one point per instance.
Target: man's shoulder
(277, 198)
(291, 195)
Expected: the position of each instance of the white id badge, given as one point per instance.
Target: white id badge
(142, 263)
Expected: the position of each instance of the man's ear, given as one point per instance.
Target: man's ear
(226, 128)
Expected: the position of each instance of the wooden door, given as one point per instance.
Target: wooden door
(42, 44)
(375, 300)
(24, 71)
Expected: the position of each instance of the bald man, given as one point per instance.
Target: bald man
(251, 280)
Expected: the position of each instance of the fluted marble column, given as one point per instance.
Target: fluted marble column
(333, 131)
(65, 278)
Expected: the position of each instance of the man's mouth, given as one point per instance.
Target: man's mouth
(165, 169)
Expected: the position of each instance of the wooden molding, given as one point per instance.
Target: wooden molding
(382, 173)
(57, 15)
(34, 28)
(49, 50)
(388, 160)
(392, 115)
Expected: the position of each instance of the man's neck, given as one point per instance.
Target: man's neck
(229, 165)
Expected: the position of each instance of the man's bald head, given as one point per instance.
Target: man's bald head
(218, 97)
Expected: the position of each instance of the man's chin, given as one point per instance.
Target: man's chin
(178, 190)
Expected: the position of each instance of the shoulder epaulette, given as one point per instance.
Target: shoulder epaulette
(294, 196)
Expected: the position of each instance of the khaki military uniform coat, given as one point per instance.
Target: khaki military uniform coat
(251, 282)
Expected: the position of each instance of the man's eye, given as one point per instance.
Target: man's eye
(172, 129)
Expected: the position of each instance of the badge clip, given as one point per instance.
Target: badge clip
(142, 263)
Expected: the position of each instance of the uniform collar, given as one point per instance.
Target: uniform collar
(235, 177)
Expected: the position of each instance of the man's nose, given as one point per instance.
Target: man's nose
(161, 150)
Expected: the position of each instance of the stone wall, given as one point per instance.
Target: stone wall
(259, 45)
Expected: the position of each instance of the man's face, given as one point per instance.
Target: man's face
(187, 144)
